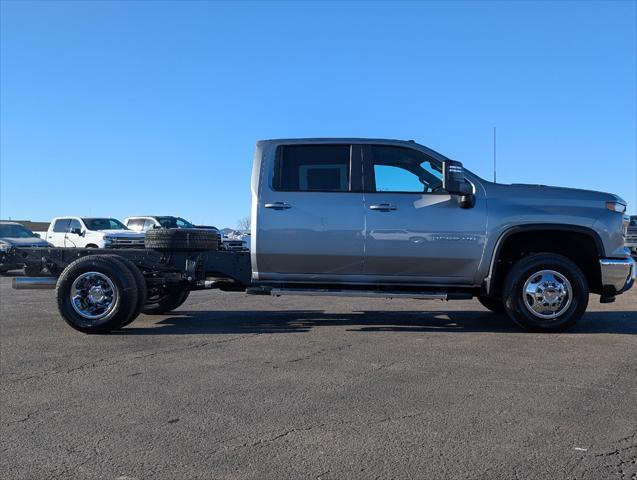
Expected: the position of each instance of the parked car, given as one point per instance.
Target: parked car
(84, 232)
(371, 218)
(146, 222)
(15, 235)
(631, 235)
(232, 243)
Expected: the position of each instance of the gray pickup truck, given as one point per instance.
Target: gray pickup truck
(372, 218)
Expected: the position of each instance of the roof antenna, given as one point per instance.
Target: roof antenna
(494, 164)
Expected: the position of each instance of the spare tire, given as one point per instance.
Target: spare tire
(184, 239)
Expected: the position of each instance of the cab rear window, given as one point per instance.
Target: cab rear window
(318, 168)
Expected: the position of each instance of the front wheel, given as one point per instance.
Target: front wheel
(545, 292)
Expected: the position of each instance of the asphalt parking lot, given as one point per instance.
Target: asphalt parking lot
(232, 386)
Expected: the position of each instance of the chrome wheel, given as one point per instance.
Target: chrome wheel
(93, 295)
(547, 294)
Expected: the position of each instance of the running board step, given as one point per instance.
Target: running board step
(277, 292)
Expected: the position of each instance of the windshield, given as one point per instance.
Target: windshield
(103, 224)
(633, 221)
(15, 231)
(174, 222)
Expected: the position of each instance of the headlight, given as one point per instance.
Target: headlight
(4, 246)
(109, 239)
(616, 207)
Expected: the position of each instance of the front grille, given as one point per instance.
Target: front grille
(127, 242)
(234, 245)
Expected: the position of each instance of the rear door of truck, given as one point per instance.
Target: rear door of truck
(57, 232)
(310, 216)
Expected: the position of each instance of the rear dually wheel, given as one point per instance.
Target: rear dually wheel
(96, 294)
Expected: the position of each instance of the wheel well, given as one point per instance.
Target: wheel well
(577, 246)
(91, 245)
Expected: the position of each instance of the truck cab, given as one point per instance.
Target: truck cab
(363, 212)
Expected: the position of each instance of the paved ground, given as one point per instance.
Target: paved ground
(235, 386)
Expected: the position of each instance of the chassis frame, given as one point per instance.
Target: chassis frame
(177, 270)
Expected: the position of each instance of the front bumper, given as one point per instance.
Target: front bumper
(618, 274)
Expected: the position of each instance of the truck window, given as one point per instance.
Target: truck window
(136, 224)
(148, 224)
(74, 224)
(313, 168)
(401, 170)
(15, 231)
(61, 226)
(103, 224)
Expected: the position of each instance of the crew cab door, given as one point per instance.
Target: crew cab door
(57, 232)
(309, 213)
(415, 231)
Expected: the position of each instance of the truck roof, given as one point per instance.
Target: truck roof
(339, 140)
(381, 141)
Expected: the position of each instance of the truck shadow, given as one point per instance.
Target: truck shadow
(297, 321)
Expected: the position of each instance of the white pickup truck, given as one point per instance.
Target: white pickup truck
(82, 232)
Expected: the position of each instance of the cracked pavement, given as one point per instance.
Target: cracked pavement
(232, 386)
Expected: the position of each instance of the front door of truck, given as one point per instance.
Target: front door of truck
(310, 214)
(415, 231)
(73, 235)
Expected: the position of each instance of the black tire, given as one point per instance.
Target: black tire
(516, 299)
(140, 282)
(496, 305)
(184, 239)
(167, 303)
(120, 309)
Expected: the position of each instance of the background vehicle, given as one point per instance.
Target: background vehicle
(373, 218)
(15, 235)
(234, 243)
(84, 232)
(143, 223)
(631, 235)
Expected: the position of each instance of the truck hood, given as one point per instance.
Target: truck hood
(26, 242)
(123, 233)
(546, 194)
(558, 192)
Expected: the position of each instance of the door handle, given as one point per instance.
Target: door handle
(278, 205)
(383, 207)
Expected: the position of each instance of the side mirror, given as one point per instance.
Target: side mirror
(76, 231)
(453, 182)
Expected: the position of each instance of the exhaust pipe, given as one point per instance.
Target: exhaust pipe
(34, 283)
